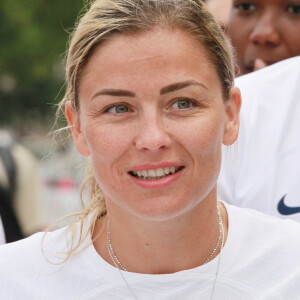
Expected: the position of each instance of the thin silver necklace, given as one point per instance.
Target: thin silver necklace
(219, 260)
(219, 238)
(117, 262)
(111, 249)
(115, 258)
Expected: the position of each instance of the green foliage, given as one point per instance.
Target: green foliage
(33, 38)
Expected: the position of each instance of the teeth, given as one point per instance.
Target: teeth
(160, 172)
(151, 173)
(155, 173)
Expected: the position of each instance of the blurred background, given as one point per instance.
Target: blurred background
(39, 172)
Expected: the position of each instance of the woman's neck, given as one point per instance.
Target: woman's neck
(154, 247)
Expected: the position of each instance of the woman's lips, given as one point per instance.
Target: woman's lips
(156, 178)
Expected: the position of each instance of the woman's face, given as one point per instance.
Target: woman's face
(152, 118)
(264, 30)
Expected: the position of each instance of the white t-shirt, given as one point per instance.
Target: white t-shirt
(260, 260)
(262, 169)
(2, 234)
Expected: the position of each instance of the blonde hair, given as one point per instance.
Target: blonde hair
(106, 18)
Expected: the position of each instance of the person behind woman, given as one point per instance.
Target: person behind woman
(2, 234)
(20, 204)
(265, 173)
(150, 99)
(220, 10)
(264, 32)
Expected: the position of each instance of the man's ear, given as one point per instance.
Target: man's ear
(74, 123)
(232, 124)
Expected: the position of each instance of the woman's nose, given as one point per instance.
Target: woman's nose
(265, 31)
(152, 136)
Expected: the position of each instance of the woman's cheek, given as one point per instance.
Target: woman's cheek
(203, 135)
(107, 141)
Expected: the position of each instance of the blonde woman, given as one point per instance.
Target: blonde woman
(150, 100)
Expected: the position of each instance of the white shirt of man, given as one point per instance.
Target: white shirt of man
(262, 169)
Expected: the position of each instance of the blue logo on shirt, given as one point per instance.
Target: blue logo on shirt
(287, 210)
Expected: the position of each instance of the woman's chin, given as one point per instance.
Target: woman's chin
(161, 209)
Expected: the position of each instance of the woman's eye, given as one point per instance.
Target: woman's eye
(245, 7)
(182, 104)
(118, 109)
(294, 9)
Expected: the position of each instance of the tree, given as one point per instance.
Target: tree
(33, 37)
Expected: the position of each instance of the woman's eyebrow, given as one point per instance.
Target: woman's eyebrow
(167, 89)
(180, 85)
(113, 92)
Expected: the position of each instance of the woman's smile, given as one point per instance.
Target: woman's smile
(150, 177)
(154, 174)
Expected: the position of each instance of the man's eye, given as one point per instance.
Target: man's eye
(182, 104)
(118, 109)
(245, 7)
(294, 9)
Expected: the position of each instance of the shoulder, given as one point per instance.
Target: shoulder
(281, 72)
(32, 248)
(36, 268)
(44, 247)
(265, 234)
(270, 94)
(257, 219)
(15, 248)
(31, 266)
(20, 262)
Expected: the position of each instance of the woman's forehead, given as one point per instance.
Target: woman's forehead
(155, 46)
(153, 59)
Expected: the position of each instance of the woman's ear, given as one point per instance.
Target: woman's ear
(75, 126)
(232, 124)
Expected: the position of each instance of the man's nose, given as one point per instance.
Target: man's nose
(265, 31)
(152, 135)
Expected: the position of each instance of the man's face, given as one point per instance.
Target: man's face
(264, 32)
